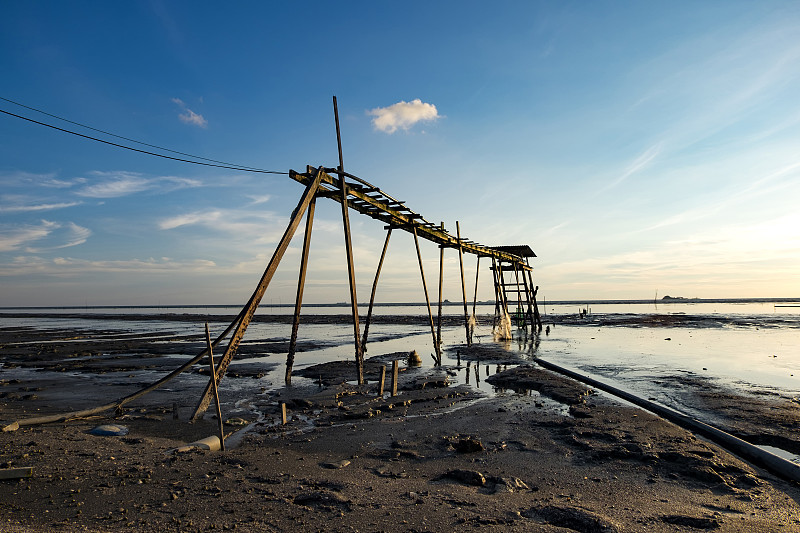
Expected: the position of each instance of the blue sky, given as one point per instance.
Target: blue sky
(638, 147)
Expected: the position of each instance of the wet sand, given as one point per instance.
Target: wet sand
(556, 456)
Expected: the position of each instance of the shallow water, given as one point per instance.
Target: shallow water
(762, 352)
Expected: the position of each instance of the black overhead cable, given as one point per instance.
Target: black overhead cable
(218, 164)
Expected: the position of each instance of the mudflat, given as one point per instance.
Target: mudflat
(554, 456)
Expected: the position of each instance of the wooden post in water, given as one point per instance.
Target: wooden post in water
(216, 392)
(477, 274)
(301, 281)
(463, 285)
(437, 358)
(374, 289)
(395, 375)
(441, 279)
(382, 380)
(349, 248)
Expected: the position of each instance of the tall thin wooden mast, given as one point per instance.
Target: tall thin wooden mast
(349, 246)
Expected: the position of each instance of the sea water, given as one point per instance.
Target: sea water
(737, 343)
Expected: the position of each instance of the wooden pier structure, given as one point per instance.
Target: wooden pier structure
(513, 282)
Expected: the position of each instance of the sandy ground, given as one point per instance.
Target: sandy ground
(555, 456)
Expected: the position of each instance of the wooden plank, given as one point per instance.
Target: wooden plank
(16, 473)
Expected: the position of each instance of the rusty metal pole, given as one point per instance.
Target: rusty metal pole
(438, 357)
(349, 248)
(301, 281)
(463, 285)
(374, 288)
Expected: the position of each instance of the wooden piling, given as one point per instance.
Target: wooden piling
(438, 358)
(382, 381)
(477, 274)
(349, 249)
(284, 418)
(441, 279)
(374, 289)
(301, 281)
(214, 388)
(395, 376)
(463, 285)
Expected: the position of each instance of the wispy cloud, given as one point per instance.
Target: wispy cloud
(69, 266)
(34, 208)
(402, 115)
(256, 200)
(189, 219)
(14, 237)
(638, 164)
(73, 236)
(190, 117)
(122, 183)
(255, 226)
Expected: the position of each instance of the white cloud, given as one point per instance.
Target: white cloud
(122, 183)
(69, 266)
(190, 219)
(38, 207)
(638, 164)
(15, 237)
(402, 115)
(190, 117)
(259, 199)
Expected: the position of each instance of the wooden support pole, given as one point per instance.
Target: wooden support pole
(519, 301)
(395, 376)
(284, 418)
(529, 297)
(438, 358)
(255, 299)
(537, 317)
(502, 279)
(497, 296)
(349, 249)
(441, 281)
(382, 380)
(374, 289)
(301, 281)
(475, 296)
(214, 388)
(463, 285)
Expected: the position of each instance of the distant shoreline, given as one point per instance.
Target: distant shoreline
(669, 301)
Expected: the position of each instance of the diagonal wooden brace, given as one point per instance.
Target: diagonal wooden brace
(255, 299)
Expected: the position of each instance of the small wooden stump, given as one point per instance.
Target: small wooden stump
(283, 413)
(395, 373)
